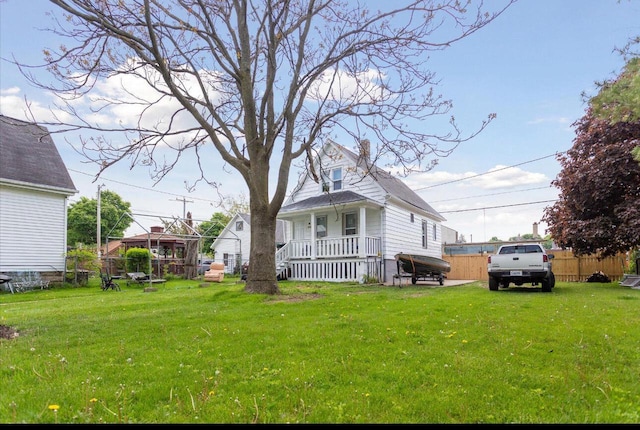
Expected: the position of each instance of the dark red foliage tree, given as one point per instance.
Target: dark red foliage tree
(598, 211)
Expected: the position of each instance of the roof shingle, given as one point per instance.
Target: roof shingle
(29, 155)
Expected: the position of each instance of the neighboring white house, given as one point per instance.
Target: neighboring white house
(232, 246)
(34, 190)
(350, 225)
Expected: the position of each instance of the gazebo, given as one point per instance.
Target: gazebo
(167, 249)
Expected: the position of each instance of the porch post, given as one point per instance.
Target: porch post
(312, 238)
(362, 249)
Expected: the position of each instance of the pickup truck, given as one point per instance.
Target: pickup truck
(519, 264)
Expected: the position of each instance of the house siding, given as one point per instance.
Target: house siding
(351, 181)
(404, 236)
(37, 237)
(233, 243)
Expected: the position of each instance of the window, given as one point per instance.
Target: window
(435, 231)
(326, 187)
(424, 234)
(411, 218)
(239, 225)
(321, 227)
(337, 179)
(350, 223)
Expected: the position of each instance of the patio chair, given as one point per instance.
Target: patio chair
(107, 282)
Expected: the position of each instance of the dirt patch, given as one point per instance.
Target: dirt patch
(7, 332)
(293, 298)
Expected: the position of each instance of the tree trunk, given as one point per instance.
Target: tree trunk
(262, 276)
(191, 259)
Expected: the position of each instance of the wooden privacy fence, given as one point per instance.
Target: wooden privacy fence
(566, 266)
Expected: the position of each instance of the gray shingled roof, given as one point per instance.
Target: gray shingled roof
(328, 199)
(392, 185)
(28, 155)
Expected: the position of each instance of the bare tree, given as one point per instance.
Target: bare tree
(264, 82)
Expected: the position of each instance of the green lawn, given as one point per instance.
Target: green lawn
(321, 353)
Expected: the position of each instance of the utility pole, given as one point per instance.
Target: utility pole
(184, 206)
(98, 222)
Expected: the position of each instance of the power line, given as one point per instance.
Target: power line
(497, 207)
(143, 188)
(486, 173)
(487, 195)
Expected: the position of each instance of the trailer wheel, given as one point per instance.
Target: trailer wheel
(414, 280)
(441, 280)
(493, 284)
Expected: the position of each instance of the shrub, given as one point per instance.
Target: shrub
(139, 260)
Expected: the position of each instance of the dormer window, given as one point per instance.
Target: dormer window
(336, 176)
(332, 180)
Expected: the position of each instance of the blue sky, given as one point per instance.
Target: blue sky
(530, 67)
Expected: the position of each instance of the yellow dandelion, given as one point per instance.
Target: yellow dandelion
(93, 400)
(54, 408)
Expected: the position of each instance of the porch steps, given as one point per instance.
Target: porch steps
(281, 270)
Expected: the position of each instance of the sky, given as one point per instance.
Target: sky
(530, 67)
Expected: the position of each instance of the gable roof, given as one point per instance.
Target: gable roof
(393, 186)
(29, 157)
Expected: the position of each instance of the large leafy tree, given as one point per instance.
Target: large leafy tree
(619, 99)
(598, 211)
(261, 83)
(82, 218)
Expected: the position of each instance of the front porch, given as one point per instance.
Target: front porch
(336, 259)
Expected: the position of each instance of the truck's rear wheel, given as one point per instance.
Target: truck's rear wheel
(546, 285)
(552, 280)
(493, 284)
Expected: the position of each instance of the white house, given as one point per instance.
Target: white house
(350, 225)
(34, 190)
(232, 246)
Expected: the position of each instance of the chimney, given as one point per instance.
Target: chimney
(535, 230)
(365, 150)
(157, 229)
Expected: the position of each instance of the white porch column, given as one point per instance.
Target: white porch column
(312, 238)
(362, 250)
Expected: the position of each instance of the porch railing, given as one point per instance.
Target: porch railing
(333, 247)
(335, 259)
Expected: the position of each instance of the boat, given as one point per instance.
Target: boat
(422, 267)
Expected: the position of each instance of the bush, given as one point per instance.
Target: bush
(139, 260)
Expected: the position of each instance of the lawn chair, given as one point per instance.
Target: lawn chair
(107, 282)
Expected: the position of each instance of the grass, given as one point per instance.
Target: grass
(321, 353)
